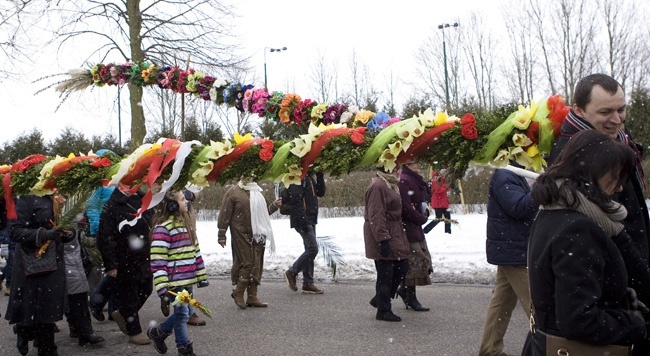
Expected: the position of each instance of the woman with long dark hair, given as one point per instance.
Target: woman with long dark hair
(578, 280)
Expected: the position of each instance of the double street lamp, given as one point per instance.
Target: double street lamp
(444, 53)
(270, 50)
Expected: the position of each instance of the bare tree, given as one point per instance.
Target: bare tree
(363, 94)
(478, 47)
(519, 69)
(160, 32)
(323, 77)
(16, 44)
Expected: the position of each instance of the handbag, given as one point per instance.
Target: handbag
(559, 346)
(38, 265)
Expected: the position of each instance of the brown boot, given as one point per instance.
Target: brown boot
(238, 293)
(252, 300)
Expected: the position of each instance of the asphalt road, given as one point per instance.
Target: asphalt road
(339, 322)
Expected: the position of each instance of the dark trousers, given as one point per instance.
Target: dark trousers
(8, 269)
(103, 294)
(389, 275)
(131, 296)
(78, 315)
(305, 263)
(440, 212)
(44, 332)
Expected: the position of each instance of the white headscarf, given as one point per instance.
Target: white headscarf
(260, 220)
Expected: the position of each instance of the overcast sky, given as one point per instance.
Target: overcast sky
(384, 34)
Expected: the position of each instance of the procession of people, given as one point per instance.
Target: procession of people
(571, 246)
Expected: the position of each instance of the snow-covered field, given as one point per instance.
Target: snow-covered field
(457, 258)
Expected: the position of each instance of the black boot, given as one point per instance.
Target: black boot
(401, 292)
(387, 316)
(186, 350)
(92, 339)
(22, 344)
(412, 301)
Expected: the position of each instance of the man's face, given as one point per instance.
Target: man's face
(606, 112)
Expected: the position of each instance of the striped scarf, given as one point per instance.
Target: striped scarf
(573, 124)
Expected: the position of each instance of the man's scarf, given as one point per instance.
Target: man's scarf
(573, 124)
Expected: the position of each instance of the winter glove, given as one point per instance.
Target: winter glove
(53, 234)
(164, 305)
(203, 284)
(384, 248)
(222, 239)
(635, 304)
(68, 235)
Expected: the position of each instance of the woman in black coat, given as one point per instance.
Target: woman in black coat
(126, 255)
(36, 303)
(578, 280)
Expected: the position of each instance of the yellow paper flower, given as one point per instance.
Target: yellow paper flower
(524, 116)
(521, 140)
(387, 160)
(198, 177)
(441, 118)
(396, 148)
(428, 118)
(363, 116)
(239, 138)
(293, 177)
(502, 158)
(538, 161)
(520, 156)
(220, 149)
(302, 145)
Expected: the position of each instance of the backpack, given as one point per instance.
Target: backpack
(285, 208)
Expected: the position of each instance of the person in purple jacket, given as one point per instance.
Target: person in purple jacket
(415, 194)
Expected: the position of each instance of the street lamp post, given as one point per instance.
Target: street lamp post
(444, 54)
(270, 50)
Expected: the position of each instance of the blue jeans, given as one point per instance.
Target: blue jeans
(104, 294)
(177, 322)
(305, 262)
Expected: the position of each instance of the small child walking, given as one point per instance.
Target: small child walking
(177, 265)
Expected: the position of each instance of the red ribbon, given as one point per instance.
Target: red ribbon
(318, 145)
(224, 162)
(423, 142)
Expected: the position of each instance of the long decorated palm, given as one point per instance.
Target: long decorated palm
(337, 139)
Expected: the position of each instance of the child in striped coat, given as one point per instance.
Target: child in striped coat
(177, 265)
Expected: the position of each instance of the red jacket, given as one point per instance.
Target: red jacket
(439, 189)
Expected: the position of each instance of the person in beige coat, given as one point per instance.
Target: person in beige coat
(245, 211)
(385, 239)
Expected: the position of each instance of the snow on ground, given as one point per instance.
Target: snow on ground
(457, 258)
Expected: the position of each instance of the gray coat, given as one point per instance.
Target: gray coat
(75, 276)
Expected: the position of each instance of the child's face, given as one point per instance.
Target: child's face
(182, 202)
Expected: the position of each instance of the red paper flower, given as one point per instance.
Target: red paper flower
(357, 138)
(266, 154)
(468, 119)
(268, 144)
(533, 131)
(469, 132)
(102, 162)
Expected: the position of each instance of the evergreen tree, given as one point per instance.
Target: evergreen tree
(637, 116)
(70, 141)
(25, 145)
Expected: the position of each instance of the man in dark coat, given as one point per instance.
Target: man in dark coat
(511, 210)
(599, 104)
(126, 254)
(303, 199)
(36, 302)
